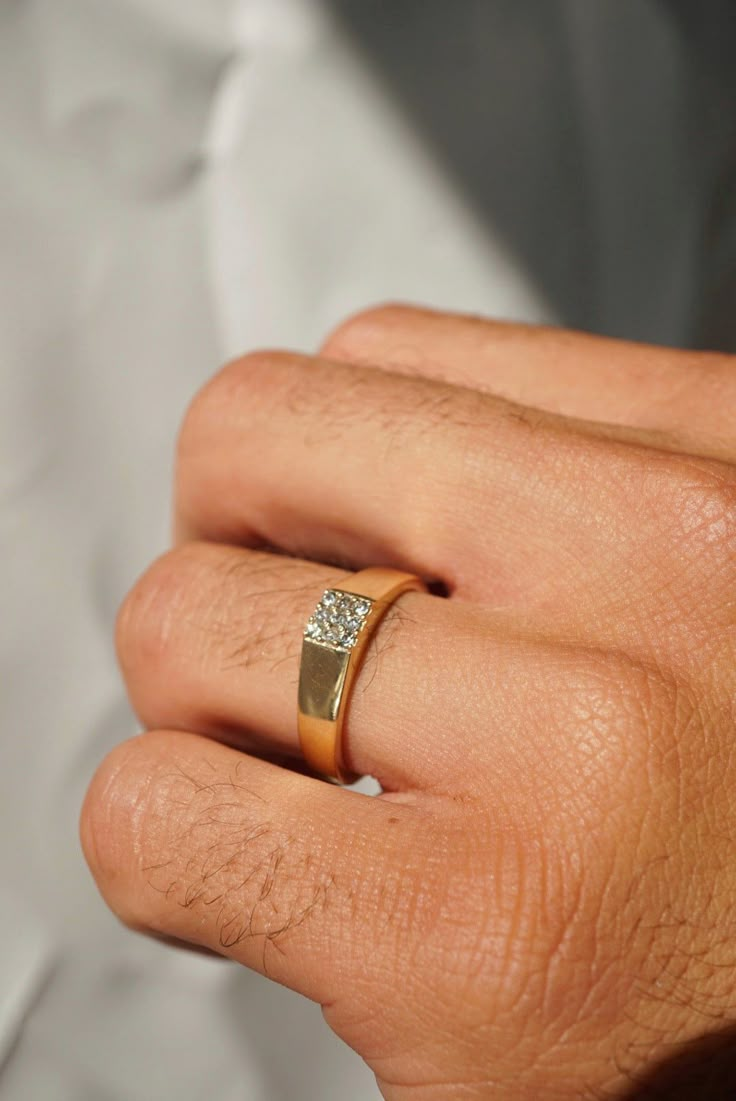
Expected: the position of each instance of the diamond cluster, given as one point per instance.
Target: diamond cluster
(338, 619)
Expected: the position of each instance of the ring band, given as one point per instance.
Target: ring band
(335, 641)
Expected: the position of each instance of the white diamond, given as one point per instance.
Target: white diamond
(338, 619)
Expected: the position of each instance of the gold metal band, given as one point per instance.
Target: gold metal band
(335, 641)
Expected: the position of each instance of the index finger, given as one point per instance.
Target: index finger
(279, 871)
(689, 394)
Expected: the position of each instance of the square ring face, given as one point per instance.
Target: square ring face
(338, 620)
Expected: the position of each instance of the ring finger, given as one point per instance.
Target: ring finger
(555, 519)
(210, 640)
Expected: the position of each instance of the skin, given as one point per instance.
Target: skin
(542, 903)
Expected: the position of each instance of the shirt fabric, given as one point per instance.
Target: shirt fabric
(181, 180)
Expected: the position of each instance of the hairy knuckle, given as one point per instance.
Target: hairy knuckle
(181, 845)
(237, 608)
(258, 600)
(230, 861)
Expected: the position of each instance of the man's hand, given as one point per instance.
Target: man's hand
(542, 904)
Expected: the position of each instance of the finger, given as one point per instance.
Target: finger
(209, 640)
(506, 506)
(446, 704)
(191, 840)
(687, 394)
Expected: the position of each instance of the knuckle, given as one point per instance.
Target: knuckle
(244, 385)
(205, 854)
(701, 517)
(148, 614)
(235, 609)
(207, 406)
(614, 710)
(635, 749)
(107, 816)
(257, 600)
(162, 823)
(348, 339)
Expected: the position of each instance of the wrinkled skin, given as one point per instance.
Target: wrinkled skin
(542, 903)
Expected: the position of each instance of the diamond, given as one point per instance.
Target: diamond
(338, 619)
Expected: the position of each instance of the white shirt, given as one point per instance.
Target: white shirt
(179, 182)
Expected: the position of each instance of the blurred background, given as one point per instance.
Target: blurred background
(181, 180)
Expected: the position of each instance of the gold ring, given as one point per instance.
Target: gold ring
(335, 641)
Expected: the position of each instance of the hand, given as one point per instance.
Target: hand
(541, 904)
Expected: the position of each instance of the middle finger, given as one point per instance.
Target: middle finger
(559, 519)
